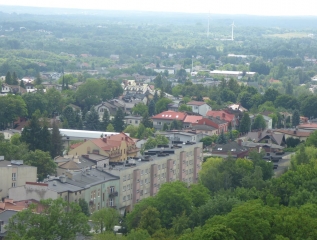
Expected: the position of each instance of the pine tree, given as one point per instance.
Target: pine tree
(63, 85)
(105, 120)
(56, 142)
(92, 120)
(118, 121)
(245, 123)
(8, 79)
(165, 127)
(14, 79)
(146, 121)
(22, 84)
(155, 97)
(45, 145)
(38, 80)
(222, 138)
(295, 118)
(152, 108)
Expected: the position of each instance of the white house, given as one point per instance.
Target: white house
(199, 107)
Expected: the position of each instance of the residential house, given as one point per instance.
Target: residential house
(268, 148)
(266, 136)
(221, 114)
(143, 176)
(190, 120)
(117, 148)
(30, 87)
(133, 120)
(111, 106)
(167, 117)
(294, 133)
(205, 129)
(199, 107)
(237, 107)
(5, 88)
(215, 122)
(173, 106)
(9, 133)
(14, 174)
(231, 148)
(163, 69)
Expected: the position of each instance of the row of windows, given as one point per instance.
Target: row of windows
(127, 198)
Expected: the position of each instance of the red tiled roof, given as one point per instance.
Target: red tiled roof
(192, 119)
(308, 125)
(196, 103)
(221, 114)
(170, 115)
(113, 141)
(75, 145)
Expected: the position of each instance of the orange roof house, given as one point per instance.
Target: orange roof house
(117, 147)
(167, 117)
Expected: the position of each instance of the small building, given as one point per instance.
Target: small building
(221, 114)
(190, 120)
(111, 106)
(4, 220)
(294, 133)
(9, 133)
(199, 107)
(181, 136)
(133, 120)
(14, 174)
(215, 122)
(266, 136)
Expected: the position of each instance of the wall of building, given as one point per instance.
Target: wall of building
(22, 174)
(31, 191)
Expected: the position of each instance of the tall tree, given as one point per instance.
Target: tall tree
(259, 122)
(146, 121)
(15, 79)
(105, 120)
(92, 120)
(222, 138)
(110, 128)
(43, 161)
(8, 79)
(56, 142)
(84, 206)
(295, 118)
(22, 84)
(118, 121)
(150, 220)
(31, 134)
(51, 223)
(155, 97)
(38, 79)
(245, 123)
(152, 108)
(105, 219)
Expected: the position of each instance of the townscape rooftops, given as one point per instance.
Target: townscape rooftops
(196, 103)
(221, 114)
(192, 118)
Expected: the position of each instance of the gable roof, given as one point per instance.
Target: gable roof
(192, 118)
(295, 133)
(196, 103)
(170, 115)
(232, 147)
(259, 136)
(221, 114)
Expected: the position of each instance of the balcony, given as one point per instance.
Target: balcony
(92, 202)
(113, 194)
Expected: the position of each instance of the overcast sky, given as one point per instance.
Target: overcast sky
(253, 7)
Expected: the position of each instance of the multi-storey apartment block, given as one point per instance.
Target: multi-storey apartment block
(143, 177)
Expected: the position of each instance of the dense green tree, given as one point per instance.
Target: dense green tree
(222, 138)
(8, 78)
(162, 105)
(184, 108)
(259, 122)
(176, 125)
(150, 220)
(35, 101)
(165, 127)
(245, 123)
(146, 121)
(70, 115)
(92, 120)
(140, 109)
(84, 206)
(295, 119)
(152, 110)
(51, 223)
(118, 121)
(56, 142)
(104, 219)
(14, 79)
(139, 234)
(207, 141)
(43, 161)
(110, 128)
(270, 95)
(38, 80)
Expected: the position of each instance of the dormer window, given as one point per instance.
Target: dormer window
(219, 149)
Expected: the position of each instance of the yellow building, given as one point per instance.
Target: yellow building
(117, 147)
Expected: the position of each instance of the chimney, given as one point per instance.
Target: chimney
(295, 131)
(240, 142)
(104, 140)
(223, 115)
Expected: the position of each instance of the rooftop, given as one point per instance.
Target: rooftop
(192, 118)
(170, 115)
(13, 163)
(196, 103)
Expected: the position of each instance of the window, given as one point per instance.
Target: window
(13, 184)
(128, 175)
(141, 182)
(111, 202)
(137, 191)
(124, 198)
(145, 180)
(186, 163)
(147, 171)
(14, 176)
(136, 121)
(128, 197)
(112, 189)
(98, 206)
(98, 192)
(124, 188)
(129, 187)
(142, 172)
(174, 162)
(159, 167)
(159, 123)
(141, 193)
(124, 178)
(103, 197)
